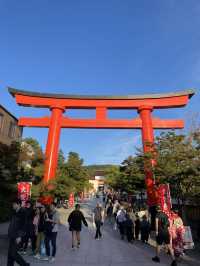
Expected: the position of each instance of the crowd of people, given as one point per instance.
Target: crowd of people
(169, 228)
(131, 224)
(37, 226)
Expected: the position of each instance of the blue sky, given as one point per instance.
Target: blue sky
(99, 47)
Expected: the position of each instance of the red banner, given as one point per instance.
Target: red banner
(164, 198)
(24, 191)
(71, 200)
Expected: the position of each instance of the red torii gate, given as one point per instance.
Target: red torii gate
(58, 103)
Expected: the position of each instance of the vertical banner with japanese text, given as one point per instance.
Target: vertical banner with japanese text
(71, 200)
(24, 191)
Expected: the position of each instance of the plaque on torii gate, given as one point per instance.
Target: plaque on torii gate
(58, 103)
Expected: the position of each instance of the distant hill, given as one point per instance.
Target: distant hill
(93, 168)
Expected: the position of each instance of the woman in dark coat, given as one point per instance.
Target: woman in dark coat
(137, 226)
(145, 229)
(75, 220)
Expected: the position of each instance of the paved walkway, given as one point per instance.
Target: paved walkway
(110, 251)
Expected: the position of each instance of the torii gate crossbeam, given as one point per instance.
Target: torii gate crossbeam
(58, 103)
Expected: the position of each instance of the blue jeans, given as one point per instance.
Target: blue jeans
(51, 237)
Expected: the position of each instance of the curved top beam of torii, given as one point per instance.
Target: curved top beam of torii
(101, 104)
(157, 101)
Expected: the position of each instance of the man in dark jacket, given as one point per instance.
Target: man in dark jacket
(75, 220)
(15, 234)
(29, 228)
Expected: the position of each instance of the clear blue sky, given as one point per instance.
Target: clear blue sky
(99, 47)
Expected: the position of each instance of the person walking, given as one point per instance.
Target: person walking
(177, 232)
(75, 220)
(129, 229)
(40, 232)
(121, 219)
(116, 207)
(137, 226)
(98, 220)
(109, 212)
(51, 223)
(132, 216)
(16, 231)
(30, 229)
(144, 229)
(163, 236)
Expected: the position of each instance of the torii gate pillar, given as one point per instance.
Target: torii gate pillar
(148, 141)
(52, 147)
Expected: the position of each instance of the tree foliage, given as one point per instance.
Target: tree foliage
(9, 156)
(178, 163)
(128, 177)
(177, 159)
(31, 161)
(72, 176)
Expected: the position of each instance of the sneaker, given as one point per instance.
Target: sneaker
(78, 245)
(45, 258)
(174, 263)
(52, 260)
(37, 256)
(156, 259)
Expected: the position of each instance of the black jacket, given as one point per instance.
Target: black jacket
(41, 225)
(29, 215)
(75, 220)
(17, 224)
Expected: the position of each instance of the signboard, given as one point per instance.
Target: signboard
(24, 191)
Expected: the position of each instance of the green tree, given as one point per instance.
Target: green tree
(72, 176)
(9, 171)
(113, 177)
(178, 163)
(132, 174)
(31, 161)
(61, 159)
(129, 177)
(76, 171)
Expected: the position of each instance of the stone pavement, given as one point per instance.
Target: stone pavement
(110, 251)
